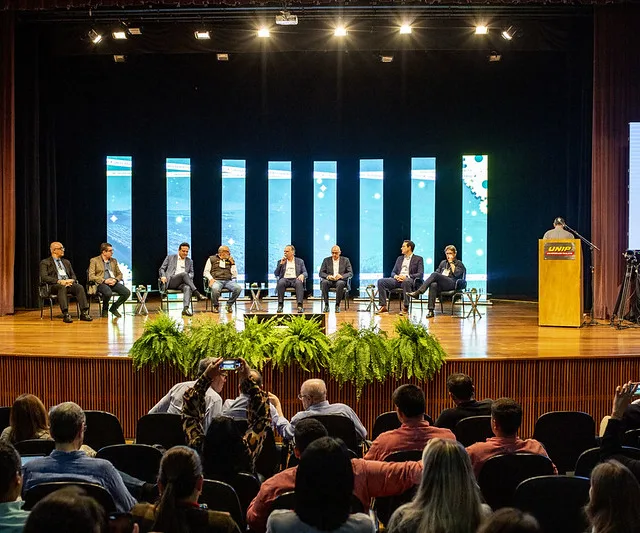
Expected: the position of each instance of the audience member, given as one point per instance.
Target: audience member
(12, 517)
(613, 497)
(180, 483)
(313, 394)
(510, 520)
(448, 499)
(372, 479)
(506, 417)
(324, 484)
(462, 393)
(415, 431)
(172, 401)
(67, 461)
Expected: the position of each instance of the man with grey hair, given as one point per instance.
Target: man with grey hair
(172, 401)
(313, 394)
(68, 462)
(290, 272)
(334, 273)
(221, 271)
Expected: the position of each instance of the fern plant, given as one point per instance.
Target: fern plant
(162, 341)
(257, 342)
(304, 343)
(415, 352)
(209, 338)
(359, 355)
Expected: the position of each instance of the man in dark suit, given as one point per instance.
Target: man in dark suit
(334, 273)
(107, 276)
(59, 275)
(408, 270)
(290, 272)
(177, 273)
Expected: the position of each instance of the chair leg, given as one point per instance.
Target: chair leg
(50, 309)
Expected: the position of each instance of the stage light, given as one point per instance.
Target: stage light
(494, 56)
(386, 59)
(264, 33)
(202, 34)
(94, 36)
(135, 31)
(509, 33)
(340, 31)
(405, 29)
(119, 58)
(119, 34)
(286, 19)
(222, 57)
(482, 30)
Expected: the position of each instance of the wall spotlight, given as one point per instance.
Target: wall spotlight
(264, 33)
(405, 29)
(119, 34)
(222, 57)
(94, 36)
(202, 34)
(509, 33)
(340, 31)
(482, 30)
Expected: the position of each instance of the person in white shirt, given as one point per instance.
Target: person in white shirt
(334, 274)
(221, 271)
(407, 274)
(177, 273)
(558, 231)
(290, 272)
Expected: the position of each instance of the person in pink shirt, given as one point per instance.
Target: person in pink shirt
(506, 417)
(415, 431)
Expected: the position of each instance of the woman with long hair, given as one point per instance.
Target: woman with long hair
(510, 520)
(28, 420)
(613, 497)
(448, 499)
(324, 485)
(180, 484)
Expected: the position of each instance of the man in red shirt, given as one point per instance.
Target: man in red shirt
(415, 431)
(506, 417)
(372, 479)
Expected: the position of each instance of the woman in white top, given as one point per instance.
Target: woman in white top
(324, 484)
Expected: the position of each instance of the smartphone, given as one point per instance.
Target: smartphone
(230, 364)
(120, 523)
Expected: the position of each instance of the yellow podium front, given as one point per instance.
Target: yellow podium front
(560, 282)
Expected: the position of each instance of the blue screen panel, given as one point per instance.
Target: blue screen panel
(119, 226)
(634, 186)
(371, 221)
(423, 207)
(325, 193)
(279, 183)
(234, 173)
(178, 203)
(475, 182)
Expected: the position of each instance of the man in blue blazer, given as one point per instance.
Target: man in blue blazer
(407, 272)
(334, 273)
(290, 272)
(177, 273)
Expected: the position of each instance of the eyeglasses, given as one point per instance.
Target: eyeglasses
(59, 248)
(301, 396)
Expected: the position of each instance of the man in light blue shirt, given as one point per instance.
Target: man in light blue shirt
(12, 517)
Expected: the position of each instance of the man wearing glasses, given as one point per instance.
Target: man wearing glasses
(221, 271)
(334, 274)
(59, 275)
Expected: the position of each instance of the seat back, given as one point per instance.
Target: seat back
(102, 429)
(632, 438)
(590, 458)
(97, 492)
(35, 446)
(268, 462)
(160, 428)
(501, 474)
(341, 427)
(220, 496)
(246, 486)
(403, 456)
(138, 460)
(5, 414)
(473, 429)
(565, 435)
(389, 421)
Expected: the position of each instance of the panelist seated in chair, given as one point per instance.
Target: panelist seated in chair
(221, 271)
(59, 274)
(290, 272)
(334, 274)
(105, 273)
(177, 273)
(445, 278)
(409, 268)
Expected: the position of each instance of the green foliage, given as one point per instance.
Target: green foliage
(162, 341)
(359, 355)
(256, 342)
(415, 352)
(209, 338)
(304, 343)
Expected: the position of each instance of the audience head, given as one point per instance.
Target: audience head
(28, 418)
(506, 417)
(224, 452)
(203, 364)
(510, 520)
(324, 484)
(67, 510)
(613, 497)
(10, 473)
(246, 384)
(313, 391)
(307, 431)
(67, 423)
(460, 387)
(409, 401)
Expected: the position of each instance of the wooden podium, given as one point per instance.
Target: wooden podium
(560, 282)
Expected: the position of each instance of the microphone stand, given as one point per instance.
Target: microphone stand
(592, 248)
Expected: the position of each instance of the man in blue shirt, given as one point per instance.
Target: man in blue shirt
(12, 517)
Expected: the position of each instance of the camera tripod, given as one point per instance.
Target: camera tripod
(617, 317)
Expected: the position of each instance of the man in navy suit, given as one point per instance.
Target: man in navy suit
(408, 270)
(290, 272)
(177, 273)
(334, 273)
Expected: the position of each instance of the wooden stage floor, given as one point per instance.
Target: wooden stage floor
(507, 330)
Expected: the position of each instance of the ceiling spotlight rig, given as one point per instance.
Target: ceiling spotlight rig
(94, 36)
(286, 18)
(510, 33)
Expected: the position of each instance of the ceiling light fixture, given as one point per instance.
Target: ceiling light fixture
(285, 18)
(494, 56)
(222, 57)
(482, 30)
(119, 34)
(340, 31)
(120, 58)
(135, 31)
(386, 59)
(405, 29)
(264, 33)
(202, 34)
(94, 36)
(509, 33)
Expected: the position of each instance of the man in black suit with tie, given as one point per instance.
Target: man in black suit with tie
(334, 273)
(59, 274)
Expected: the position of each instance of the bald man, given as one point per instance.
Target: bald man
(221, 271)
(59, 275)
(313, 394)
(334, 274)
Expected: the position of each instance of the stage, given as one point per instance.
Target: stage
(505, 352)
